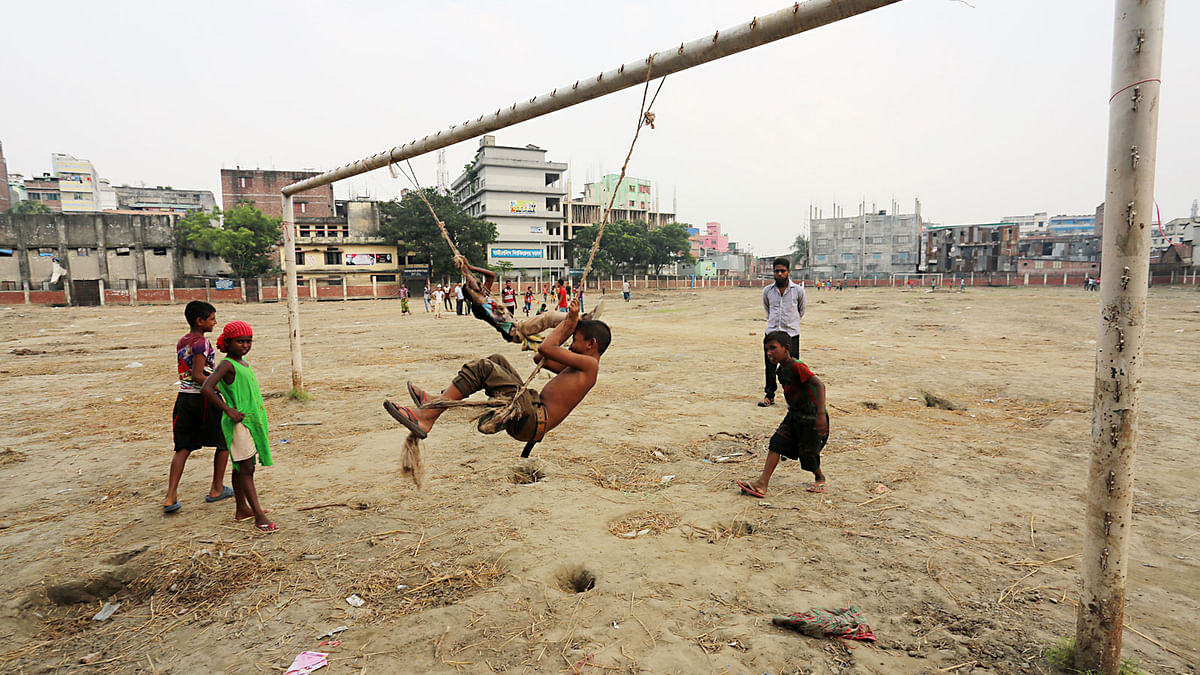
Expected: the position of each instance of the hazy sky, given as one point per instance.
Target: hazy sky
(981, 112)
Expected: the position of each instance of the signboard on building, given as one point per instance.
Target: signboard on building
(416, 271)
(516, 252)
(522, 206)
(224, 284)
(537, 229)
(368, 258)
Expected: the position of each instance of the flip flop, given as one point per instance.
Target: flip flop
(406, 417)
(267, 528)
(172, 508)
(766, 402)
(226, 493)
(818, 486)
(748, 489)
(419, 396)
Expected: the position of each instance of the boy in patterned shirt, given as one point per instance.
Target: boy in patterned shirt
(805, 429)
(194, 423)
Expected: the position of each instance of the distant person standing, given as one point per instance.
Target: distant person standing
(528, 299)
(508, 297)
(625, 290)
(459, 297)
(425, 297)
(562, 294)
(439, 297)
(404, 300)
(785, 302)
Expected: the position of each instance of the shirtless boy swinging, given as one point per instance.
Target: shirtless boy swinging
(576, 366)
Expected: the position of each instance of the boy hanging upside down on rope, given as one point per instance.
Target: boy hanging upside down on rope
(496, 315)
(534, 414)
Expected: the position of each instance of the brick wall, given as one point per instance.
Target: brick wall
(262, 189)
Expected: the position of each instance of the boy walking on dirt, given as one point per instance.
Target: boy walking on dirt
(805, 428)
(194, 423)
(576, 366)
(245, 420)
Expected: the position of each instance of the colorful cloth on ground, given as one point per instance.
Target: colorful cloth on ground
(245, 397)
(186, 350)
(843, 622)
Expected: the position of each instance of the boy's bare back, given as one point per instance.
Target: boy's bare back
(577, 368)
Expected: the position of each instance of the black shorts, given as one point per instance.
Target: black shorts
(196, 424)
(796, 439)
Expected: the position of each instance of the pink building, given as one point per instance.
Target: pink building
(709, 241)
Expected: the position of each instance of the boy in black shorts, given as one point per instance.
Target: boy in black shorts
(195, 423)
(805, 429)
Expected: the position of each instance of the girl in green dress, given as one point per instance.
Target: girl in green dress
(245, 420)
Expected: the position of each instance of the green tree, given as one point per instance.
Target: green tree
(28, 206)
(409, 223)
(669, 244)
(245, 239)
(800, 249)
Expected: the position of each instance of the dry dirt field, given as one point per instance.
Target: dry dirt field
(964, 561)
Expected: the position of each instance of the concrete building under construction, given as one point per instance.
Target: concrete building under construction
(871, 244)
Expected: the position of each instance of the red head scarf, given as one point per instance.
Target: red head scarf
(233, 329)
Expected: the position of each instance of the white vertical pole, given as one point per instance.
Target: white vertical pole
(375, 286)
(1128, 206)
(243, 280)
(1064, 278)
(278, 290)
(293, 298)
(25, 287)
(345, 279)
(170, 287)
(133, 300)
(102, 293)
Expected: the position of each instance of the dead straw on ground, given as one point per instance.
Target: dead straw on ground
(642, 524)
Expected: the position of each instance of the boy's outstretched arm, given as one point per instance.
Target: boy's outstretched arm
(821, 426)
(552, 350)
(224, 371)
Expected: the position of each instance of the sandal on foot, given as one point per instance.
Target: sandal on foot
(818, 486)
(226, 493)
(406, 417)
(766, 402)
(419, 396)
(267, 528)
(172, 508)
(748, 489)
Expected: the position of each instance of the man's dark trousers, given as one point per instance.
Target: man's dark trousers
(772, 382)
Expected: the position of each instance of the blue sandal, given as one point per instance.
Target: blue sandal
(225, 494)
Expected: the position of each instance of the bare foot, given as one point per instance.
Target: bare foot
(240, 516)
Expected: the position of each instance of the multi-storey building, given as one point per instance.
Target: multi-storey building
(262, 189)
(708, 242)
(44, 189)
(1066, 226)
(163, 199)
(1177, 231)
(984, 248)
(1030, 225)
(632, 193)
(347, 249)
(874, 244)
(523, 193)
(78, 183)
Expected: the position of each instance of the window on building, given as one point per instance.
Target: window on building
(821, 258)
(162, 282)
(9, 286)
(903, 255)
(631, 203)
(302, 207)
(242, 182)
(83, 252)
(333, 257)
(160, 251)
(847, 256)
(123, 251)
(299, 257)
(631, 188)
(877, 256)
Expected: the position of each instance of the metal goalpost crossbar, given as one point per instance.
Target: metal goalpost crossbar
(931, 279)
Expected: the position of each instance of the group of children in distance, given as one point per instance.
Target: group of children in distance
(219, 406)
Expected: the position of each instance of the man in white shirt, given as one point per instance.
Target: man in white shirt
(784, 302)
(458, 300)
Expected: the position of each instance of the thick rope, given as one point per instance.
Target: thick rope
(506, 411)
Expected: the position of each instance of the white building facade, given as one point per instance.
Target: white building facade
(523, 193)
(78, 183)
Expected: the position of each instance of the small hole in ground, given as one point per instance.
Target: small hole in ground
(526, 473)
(575, 579)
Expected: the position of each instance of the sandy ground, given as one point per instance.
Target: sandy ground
(943, 559)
